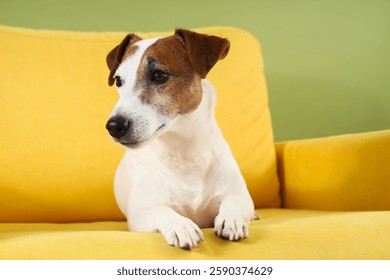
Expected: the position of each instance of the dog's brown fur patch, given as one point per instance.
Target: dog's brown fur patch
(182, 93)
(117, 54)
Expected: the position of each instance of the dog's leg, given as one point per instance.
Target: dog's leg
(178, 231)
(234, 216)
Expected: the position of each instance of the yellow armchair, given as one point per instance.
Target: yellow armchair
(318, 199)
(340, 173)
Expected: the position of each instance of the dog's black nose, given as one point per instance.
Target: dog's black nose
(117, 126)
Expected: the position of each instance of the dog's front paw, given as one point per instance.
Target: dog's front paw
(183, 233)
(231, 227)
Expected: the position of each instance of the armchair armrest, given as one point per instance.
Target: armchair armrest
(347, 172)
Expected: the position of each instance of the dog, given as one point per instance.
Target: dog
(178, 174)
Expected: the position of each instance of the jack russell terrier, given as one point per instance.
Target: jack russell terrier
(178, 174)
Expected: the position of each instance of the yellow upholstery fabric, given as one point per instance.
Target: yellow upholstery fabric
(58, 162)
(281, 234)
(348, 172)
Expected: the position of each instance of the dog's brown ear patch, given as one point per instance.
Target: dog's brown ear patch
(203, 50)
(114, 58)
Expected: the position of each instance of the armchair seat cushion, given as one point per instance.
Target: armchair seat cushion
(279, 234)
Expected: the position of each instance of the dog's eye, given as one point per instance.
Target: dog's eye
(118, 81)
(159, 77)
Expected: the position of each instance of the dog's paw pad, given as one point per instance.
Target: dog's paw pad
(231, 227)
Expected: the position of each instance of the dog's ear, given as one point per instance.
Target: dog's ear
(115, 56)
(203, 50)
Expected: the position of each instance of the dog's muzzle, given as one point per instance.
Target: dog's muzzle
(118, 126)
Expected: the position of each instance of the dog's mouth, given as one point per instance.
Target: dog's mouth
(143, 142)
(161, 127)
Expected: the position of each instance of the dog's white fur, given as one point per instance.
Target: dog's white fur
(182, 177)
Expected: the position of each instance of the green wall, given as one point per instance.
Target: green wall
(327, 62)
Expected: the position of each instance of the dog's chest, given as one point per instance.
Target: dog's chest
(185, 179)
(190, 190)
(187, 167)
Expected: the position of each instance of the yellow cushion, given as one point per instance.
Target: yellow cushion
(348, 172)
(280, 234)
(58, 162)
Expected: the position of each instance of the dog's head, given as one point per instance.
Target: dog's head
(157, 80)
